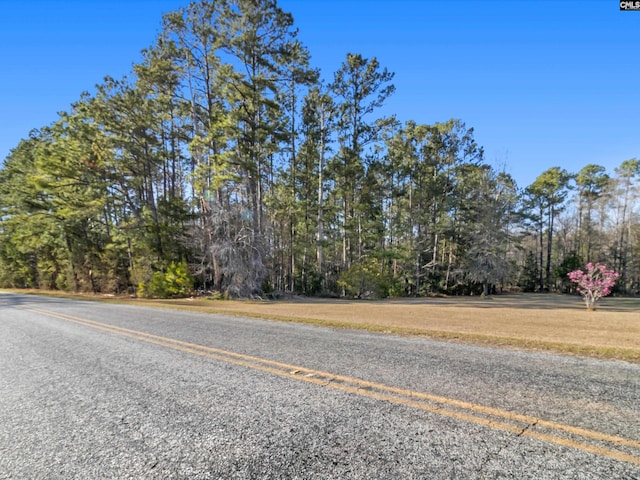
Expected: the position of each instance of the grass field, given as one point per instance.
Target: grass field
(558, 323)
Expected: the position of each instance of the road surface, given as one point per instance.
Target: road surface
(98, 391)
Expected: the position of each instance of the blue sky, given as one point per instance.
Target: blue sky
(544, 83)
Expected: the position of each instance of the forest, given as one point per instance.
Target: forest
(223, 165)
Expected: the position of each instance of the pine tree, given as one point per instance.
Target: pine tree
(361, 87)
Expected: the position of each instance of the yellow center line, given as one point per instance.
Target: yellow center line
(521, 425)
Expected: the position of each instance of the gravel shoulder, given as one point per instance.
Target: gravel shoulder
(557, 323)
(534, 322)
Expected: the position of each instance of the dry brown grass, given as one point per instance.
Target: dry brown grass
(557, 323)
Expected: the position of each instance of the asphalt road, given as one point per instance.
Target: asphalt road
(97, 391)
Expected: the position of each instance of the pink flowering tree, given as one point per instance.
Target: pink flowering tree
(594, 283)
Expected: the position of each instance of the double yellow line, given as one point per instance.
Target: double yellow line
(611, 446)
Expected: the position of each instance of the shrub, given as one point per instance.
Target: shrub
(364, 279)
(175, 282)
(594, 283)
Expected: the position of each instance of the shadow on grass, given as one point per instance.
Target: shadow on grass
(525, 301)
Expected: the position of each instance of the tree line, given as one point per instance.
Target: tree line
(224, 163)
